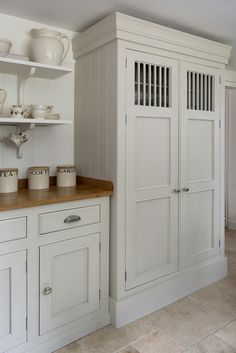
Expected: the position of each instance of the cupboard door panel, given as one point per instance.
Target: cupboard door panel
(151, 168)
(200, 148)
(12, 300)
(69, 281)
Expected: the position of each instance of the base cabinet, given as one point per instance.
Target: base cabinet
(12, 300)
(69, 281)
(57, 289)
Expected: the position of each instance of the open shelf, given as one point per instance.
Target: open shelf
(23, 67)
(32, 122)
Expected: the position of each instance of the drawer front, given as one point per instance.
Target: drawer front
(66, 219)
(13, 229)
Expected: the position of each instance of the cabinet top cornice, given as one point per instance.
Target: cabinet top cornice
(132, 29)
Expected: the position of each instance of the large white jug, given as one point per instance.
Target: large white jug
(47, 46)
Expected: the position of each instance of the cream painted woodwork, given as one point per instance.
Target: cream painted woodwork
(151, 168)
(72, 296)
(148, 104)
(12, 300)
(54, 286)
(200, 148)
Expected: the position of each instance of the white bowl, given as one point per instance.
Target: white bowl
(5, 45)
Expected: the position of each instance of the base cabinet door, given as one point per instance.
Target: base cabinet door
(12, 300)
(69, 281)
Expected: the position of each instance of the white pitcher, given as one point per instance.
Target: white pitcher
(47, 46)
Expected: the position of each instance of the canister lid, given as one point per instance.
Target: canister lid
(9, 170)
(38, 167)
(65, 166)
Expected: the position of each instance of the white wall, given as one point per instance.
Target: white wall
(47, 145)
(231, 158)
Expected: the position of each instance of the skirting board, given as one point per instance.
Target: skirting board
(71, 336)
(184, 283)
(231, 225)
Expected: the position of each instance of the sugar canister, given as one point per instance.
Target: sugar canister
(8, 180)
(66, 175)
(38, 177)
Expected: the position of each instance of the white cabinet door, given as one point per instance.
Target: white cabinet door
(151, 168)
(200, 148)
(12, 300)
(69, 281)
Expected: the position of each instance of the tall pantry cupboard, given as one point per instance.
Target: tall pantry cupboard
(150, 117)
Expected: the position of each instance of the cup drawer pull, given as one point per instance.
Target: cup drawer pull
(72, 219)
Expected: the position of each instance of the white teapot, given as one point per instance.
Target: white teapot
(47, 46)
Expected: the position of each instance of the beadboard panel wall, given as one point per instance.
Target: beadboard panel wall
(95, 123)
(46, 145)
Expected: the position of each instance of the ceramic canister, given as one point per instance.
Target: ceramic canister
(38, 177)
(66, 175)
(8, 180)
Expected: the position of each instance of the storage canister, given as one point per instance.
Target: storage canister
(66, 175)
(8, 180)
(38, 177)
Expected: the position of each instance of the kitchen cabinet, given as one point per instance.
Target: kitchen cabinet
(54, 284)
(69, 280)
(12, 300)
(150, 117)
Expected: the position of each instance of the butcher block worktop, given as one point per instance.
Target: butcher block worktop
(87, 188)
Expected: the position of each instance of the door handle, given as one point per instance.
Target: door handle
(72, 219)
(47, 290)
(177, 190)
(186, 189)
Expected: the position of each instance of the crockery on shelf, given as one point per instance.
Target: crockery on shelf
(5, 45)
(17, 138)
(38, 177)
(39, 111)
(20, 111)
(8, 180)
(53, 116)
(47, 46)
(3, 96)
(66, 175)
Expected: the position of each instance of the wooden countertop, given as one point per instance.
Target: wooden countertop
(87, 188)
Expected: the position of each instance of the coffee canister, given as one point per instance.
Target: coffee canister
(38, 177)
(8, 180)
(66, 175)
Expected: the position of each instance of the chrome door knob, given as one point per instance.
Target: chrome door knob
(47, 290)
(186, 189)
(177, 190)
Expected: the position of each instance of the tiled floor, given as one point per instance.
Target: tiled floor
(204, 322)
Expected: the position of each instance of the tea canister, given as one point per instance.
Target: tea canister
(8, 180)
(66, 175)
(38, 177)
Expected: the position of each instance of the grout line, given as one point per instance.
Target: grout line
(137, 340)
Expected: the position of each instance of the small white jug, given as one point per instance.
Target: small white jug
(47, 46)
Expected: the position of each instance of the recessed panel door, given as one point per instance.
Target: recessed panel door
(69, 281)
(151, 168)
(200, 154)
(12, 300)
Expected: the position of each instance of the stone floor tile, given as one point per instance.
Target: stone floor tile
(225, 304)
(228, 334)
(213, 291)
(109, 340)
(158, 342)
(187, 321)
(128, 349)
(211, 344)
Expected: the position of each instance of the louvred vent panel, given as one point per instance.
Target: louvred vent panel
(200, 91)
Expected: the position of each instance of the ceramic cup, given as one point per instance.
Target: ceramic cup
(39, 111)
(17, 139)
(20, 111)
